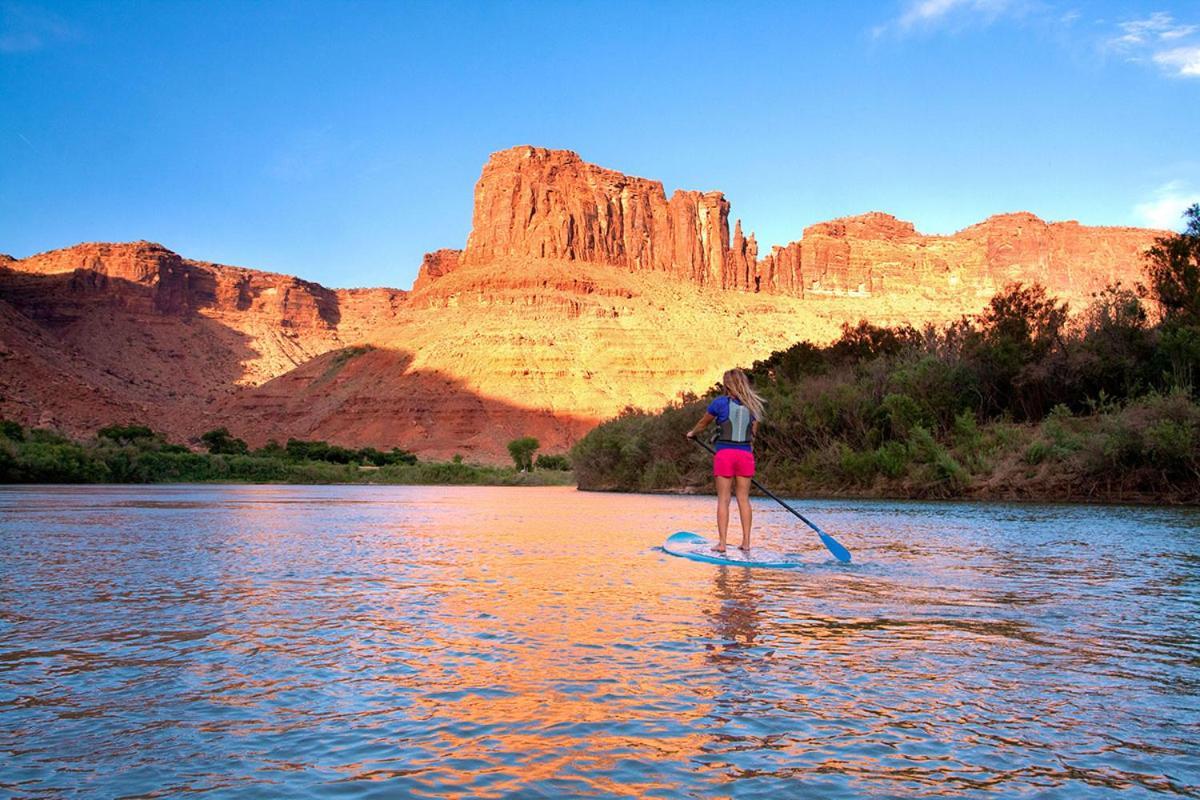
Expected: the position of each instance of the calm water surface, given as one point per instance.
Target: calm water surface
(485, 642)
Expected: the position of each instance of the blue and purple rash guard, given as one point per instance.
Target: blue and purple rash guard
(734, 421)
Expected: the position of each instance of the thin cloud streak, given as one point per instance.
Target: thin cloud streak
(1159, 26)
(1159, 39)
(1165, 206)
(26, 29)
(931, 14)
(1162, 40)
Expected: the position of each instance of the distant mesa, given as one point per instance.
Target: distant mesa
(550, 204)
(580, 291)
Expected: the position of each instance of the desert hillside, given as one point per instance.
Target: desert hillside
(580, 291)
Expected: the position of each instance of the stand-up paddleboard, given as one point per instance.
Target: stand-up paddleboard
(694, 546)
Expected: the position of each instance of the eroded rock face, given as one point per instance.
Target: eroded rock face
(166, 336)
(532, 203)
(876, 253)
(181, 285)
(435, 265)
(550, 204)
(580, 291)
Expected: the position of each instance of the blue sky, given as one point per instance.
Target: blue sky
(340, 141)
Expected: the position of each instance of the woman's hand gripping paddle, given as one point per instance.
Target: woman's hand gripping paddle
(839, 552)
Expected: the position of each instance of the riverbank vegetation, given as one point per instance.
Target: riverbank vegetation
(1023, 401)
(136, 454)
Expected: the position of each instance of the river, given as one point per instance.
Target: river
(358, 641)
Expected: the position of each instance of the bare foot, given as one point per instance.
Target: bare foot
(719, 548)
(745, 548)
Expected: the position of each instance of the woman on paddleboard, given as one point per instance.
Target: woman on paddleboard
(736, 413)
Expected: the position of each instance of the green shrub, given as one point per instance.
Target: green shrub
(46, 436)
(558, 462)
(923, 448)
(892, 459)
(1171, 445)
(1057, 439)
(857, 467)
(898, 414)
(126, 433)
(300, 450)
(946, 476)
(369, 455)
(272, 449)
(220, 442)
(11, 430)
(1179, 356)
(1038, 451)
(57, 462)
(661, 476)
(8, 462)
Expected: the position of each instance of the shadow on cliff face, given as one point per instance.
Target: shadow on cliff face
(124, 351)
(121, 356)
(362, 396)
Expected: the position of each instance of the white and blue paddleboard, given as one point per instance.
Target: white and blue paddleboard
(686, 544)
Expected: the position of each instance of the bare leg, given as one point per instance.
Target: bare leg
(724, 489)
(744, 511)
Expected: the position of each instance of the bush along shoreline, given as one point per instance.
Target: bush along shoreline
(1021, 402)
(136, 454)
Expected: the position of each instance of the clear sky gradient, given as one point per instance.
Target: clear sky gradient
(340, 141)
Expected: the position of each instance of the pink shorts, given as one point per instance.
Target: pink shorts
(730, 462)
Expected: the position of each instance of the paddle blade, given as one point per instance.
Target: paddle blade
(839, 552)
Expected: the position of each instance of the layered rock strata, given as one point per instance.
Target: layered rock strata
(532, 203)
(550, 204)
(580, 291)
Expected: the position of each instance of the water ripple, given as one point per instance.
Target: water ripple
(480, 642)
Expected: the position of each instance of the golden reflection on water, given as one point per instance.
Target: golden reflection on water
(480, 642)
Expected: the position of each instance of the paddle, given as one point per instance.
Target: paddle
(839, 552)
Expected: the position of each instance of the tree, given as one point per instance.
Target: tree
(1173, 267)
(522, 451)
(1019, 332)
(865, 341)
(1116, 346)
(220, 441)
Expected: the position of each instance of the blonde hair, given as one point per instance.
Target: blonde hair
(737, 385)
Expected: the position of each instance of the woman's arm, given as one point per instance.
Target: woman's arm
(701, 425)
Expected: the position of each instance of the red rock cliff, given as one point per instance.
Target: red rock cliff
(537, 203)
(577, 295)
(876, 253)
(533, 203)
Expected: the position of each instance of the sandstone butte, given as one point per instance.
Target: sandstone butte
(580, 291)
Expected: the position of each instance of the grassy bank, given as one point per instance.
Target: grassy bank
(132, 454)
(1024, 401)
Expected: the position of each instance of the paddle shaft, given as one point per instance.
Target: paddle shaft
(831, 544)
(770, 494)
